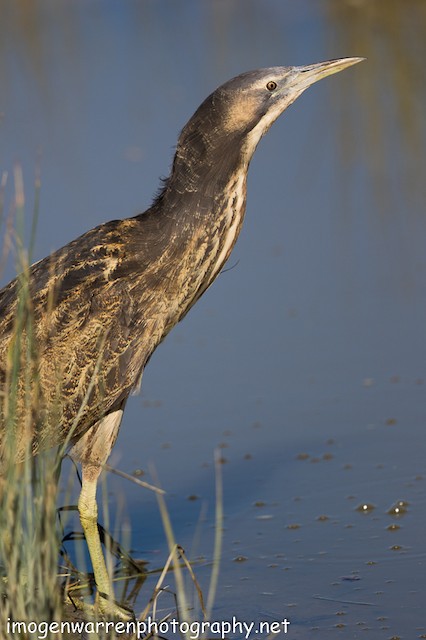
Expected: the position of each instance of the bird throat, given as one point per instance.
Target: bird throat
(230, 219)
(218, 231)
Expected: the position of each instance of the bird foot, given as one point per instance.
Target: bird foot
(112, 609)
(102, 608)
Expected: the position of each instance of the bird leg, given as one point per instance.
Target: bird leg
(92, 450)
(88, 510)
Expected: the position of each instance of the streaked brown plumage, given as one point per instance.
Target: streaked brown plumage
(102, 304)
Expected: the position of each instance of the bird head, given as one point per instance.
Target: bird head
(238, 113)
(221, 137)
(251, 102)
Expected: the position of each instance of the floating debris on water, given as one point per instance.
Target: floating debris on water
(365, 507)
(293, 526)
(398, 509)
(303, 456)
(240, 559)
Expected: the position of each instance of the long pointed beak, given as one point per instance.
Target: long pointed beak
(307, 75)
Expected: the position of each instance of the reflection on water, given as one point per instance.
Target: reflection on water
(305, 362)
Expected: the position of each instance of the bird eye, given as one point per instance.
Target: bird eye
(271, 85)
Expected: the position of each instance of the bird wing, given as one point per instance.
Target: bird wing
(74, 327)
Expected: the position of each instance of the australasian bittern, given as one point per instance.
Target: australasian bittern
(102, 304)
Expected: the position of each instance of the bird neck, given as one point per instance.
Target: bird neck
(206, 162)
(208, 178)
(203, 204)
